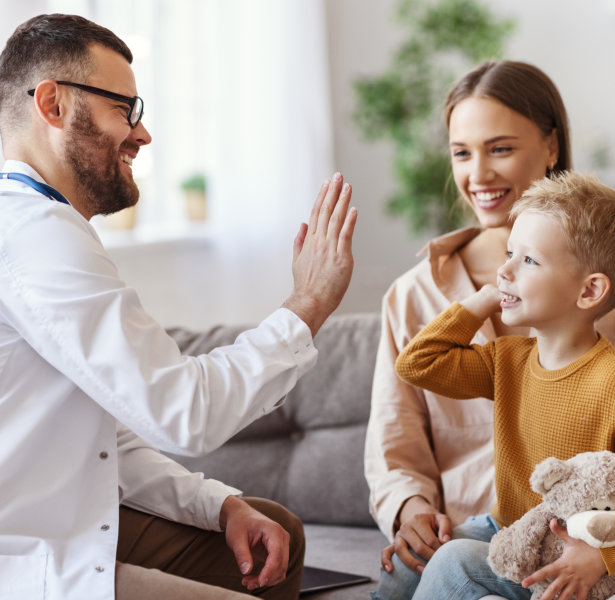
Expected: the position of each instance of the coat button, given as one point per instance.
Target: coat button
(104, 527)
(100, 569)
(103, 455)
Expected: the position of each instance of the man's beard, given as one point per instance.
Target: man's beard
(95, 161)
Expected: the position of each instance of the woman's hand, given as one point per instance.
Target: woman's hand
(422, 530)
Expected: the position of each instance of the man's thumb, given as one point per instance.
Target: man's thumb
(243, 557)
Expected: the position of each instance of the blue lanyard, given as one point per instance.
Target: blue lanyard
(40, 187)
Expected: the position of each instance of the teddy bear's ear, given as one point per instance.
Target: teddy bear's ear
(549, 472)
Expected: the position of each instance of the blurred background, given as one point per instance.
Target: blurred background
(253, 103)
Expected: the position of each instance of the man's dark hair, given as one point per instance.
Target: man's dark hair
(53, 46)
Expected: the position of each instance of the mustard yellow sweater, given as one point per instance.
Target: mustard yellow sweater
(538, 413)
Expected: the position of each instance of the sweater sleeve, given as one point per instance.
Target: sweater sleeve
(442, 359)
(608, 556)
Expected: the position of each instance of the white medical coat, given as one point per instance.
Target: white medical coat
(78, 354)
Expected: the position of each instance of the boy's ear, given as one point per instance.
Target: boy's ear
(49, 103)
(595, 289)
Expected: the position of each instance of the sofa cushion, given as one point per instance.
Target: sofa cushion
(308, 454)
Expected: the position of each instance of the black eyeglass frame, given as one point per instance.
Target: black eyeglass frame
(131, 102)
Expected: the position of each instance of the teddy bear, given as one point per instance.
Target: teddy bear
(580, 492)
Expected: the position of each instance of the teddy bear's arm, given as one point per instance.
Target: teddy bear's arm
(515, 552)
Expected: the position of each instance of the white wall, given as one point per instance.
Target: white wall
(189, 284)
(572, 42)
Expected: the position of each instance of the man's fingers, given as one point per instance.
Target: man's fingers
(272, 573)
(322, 266)
(275, 553)
(276, 564)
(344, 243)
(243, 557)
(320, 197)
(340, 211)
(299, 240)
(328, 205)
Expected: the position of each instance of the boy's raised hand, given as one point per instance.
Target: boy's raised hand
(484, 302)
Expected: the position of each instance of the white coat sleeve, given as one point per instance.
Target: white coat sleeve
(65, 298)
(154, 483)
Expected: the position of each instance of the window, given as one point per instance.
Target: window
(236, 90)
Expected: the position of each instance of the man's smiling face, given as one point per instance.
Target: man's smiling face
(100, 144)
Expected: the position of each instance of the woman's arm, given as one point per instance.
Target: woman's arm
(400, 464)
(399, 456)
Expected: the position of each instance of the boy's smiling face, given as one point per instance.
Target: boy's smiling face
(541, 281)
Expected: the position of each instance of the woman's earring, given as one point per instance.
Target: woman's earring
(550, 168)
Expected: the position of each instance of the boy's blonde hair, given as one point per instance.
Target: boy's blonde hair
(585, 209)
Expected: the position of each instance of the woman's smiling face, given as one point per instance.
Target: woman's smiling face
(496, 153)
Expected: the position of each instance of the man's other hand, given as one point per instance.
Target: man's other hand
(250, 535)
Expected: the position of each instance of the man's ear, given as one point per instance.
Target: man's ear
(595, 289)
(50, 103)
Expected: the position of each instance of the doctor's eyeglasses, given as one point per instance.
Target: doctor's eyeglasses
(135, 103)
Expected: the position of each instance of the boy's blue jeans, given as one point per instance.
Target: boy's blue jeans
(459, 569)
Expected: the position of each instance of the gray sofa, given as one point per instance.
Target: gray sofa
(308, 454)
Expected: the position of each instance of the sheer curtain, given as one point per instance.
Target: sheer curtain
(271, 90)
(272, 132)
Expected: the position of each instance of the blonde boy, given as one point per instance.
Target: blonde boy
(554, 394)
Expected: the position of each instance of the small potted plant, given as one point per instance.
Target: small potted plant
(195, 192)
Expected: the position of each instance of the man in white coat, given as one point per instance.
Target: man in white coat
(91, 387)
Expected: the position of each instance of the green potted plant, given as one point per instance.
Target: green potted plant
(194, 188)
(404, 104)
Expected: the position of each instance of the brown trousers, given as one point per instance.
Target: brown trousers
(159, 559)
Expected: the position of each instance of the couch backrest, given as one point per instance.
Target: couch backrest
(308, 454)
